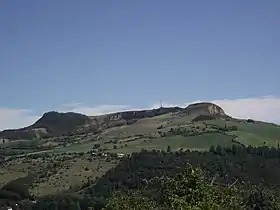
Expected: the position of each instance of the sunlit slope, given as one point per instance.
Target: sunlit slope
(198, 126)
(154, 133)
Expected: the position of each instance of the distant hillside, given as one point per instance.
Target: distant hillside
(56, 124)
(60, 123)
(129, 115)
(53, 124)
(50, 124)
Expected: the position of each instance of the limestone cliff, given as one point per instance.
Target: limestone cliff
(205, 108)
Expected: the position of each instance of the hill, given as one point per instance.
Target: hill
(56, 124)
(86, 159)
(50, 124)
(196, 127)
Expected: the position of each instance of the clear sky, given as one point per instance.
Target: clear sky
(134, 53)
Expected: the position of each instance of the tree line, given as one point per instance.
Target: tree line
(251, 170)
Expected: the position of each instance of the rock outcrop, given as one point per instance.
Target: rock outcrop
(132, 115)
(205, 108)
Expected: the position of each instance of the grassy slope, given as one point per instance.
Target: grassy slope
(193, 142)
(55, 173)
(146, 130)
(248, 134)
(254, 133)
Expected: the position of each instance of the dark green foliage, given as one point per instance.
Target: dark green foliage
(186, 190)
(19, 187)
(65, 202)
(129, 122)
(258, 165)
(199, 130)
(203, 118)
(15, 191)
(160, 127)
(250, 121)
(169, 148)
(224, 128)
(96, 146)
(260, 198)
(134, 177)
(190, 190)
(9, 195)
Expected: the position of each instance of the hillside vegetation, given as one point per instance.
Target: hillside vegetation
(196, 127)
(222, 178)
(73, 161)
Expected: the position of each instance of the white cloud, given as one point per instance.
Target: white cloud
(260, 108)
(265, 108)
(16, 118)
(92, 111)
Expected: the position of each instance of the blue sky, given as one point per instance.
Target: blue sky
(134, 53)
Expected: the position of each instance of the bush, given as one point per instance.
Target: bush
(250, 121)
(96, 146)
(203, 117)
(9, 195)
(188, 190)
(169, 148)
(18, 187)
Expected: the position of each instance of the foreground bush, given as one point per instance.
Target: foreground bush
(190, 191)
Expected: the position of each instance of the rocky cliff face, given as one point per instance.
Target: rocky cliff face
(132, 115)
(205, 108)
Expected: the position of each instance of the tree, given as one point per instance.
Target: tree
(96, 146)
(187, 190)
(212, 149)
(169, 148)
(78, 206)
